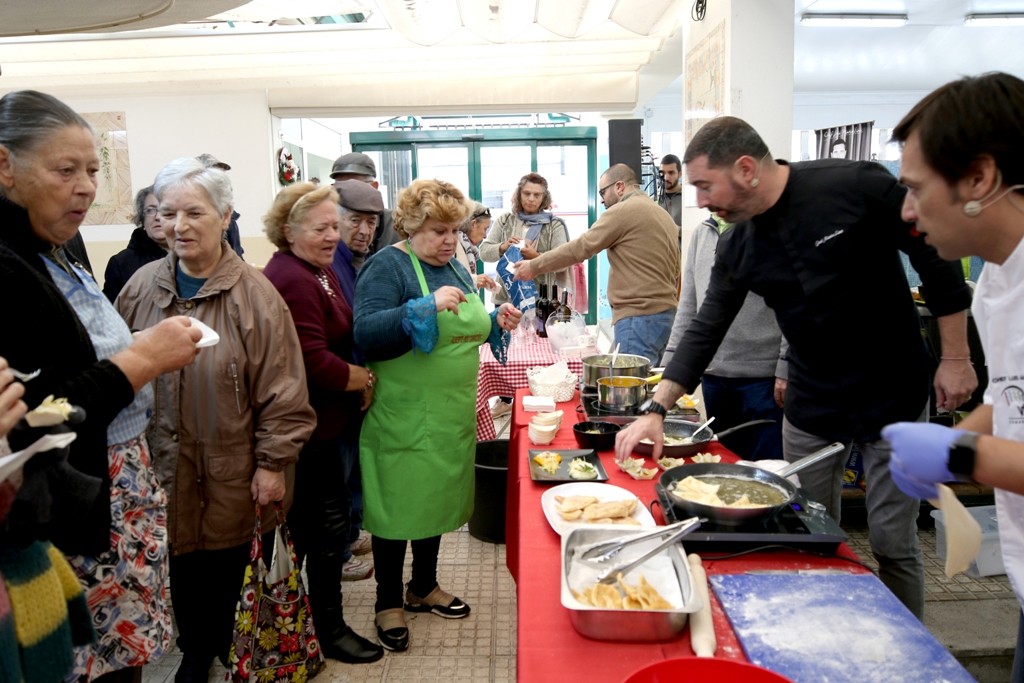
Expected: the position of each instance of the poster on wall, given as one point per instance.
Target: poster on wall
(113, 205)
(705, 81)
(852, 141)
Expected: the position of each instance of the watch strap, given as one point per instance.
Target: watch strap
(652, 406)
(962, 451)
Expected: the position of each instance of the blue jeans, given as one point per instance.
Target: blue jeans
(735, 400)
(645, 335)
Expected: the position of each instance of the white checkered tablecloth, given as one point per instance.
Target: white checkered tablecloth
(495, 379)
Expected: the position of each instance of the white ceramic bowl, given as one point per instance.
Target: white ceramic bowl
(544, 430)
(541, 437)
(552, 418)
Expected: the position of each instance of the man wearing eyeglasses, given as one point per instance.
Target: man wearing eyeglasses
(359, 209)
(358, 166)
(643, 249)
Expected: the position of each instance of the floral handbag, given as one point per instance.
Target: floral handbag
(274, 640)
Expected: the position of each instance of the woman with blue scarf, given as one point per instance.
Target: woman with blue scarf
(530, 226)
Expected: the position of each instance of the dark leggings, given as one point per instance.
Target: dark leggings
(205, 585)
(132, 674)
(388, 562)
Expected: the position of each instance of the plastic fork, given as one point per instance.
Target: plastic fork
(603, 551)
(25, 376)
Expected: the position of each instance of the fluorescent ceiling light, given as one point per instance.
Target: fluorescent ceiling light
(1008, 19)
(852, 20)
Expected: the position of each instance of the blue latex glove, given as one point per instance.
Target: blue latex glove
(920, 454)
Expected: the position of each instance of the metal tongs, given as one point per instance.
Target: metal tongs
(599, 553)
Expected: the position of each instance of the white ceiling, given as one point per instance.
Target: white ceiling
(933, 48)
(464, 56)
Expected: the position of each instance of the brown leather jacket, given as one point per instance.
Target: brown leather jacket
(243, 404)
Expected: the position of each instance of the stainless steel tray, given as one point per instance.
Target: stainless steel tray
(627, 625)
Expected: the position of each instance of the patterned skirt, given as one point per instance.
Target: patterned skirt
(126, 586)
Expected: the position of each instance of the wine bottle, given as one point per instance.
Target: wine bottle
(564, 312)
(543, 311)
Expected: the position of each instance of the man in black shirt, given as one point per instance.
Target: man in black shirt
(819, 241)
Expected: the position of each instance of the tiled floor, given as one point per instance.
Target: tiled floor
(482, 647)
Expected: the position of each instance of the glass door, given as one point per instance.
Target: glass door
(487, 165)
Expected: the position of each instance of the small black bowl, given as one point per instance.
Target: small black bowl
(602, 440)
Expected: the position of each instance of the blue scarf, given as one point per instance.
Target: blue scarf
(535, 222)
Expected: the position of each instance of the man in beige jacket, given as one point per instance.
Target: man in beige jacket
(643, 249)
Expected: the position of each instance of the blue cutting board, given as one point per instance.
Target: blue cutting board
(834, 627)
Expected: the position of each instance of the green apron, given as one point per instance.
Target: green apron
(418, 441)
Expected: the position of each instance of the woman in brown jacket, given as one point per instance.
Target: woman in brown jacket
(225, 430)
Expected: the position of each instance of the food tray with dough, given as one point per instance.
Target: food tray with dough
(668, 573)
(590, 493)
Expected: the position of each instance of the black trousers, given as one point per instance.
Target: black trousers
(319, 525)
(388, 562)
(205, 586)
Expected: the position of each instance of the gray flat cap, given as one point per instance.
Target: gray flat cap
(210, 161)
(355, 163)
(357, 195)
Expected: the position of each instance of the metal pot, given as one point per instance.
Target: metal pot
(682, 428)
(620, 393)
(628, 365)
(729, 516)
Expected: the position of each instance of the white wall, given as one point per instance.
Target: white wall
(235, 128)
(812, 111)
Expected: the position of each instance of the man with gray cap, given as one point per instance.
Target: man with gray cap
(360, 205)
(358, 166)
(360, 209)
(233, 236)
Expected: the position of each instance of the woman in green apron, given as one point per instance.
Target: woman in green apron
(420, 325)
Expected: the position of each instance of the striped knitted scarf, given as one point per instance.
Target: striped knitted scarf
(47, 611)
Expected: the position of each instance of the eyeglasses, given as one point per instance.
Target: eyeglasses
(150, 211)
(480, 214)
(600, 193)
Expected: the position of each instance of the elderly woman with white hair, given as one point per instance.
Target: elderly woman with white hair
(110, 520)
(225, 430)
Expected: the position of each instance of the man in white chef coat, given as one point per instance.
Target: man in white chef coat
(963, 162)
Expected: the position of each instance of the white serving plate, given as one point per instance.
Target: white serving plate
(603, 492)
(209, 338)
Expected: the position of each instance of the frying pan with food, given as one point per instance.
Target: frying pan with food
(682, 429)
(753, 477)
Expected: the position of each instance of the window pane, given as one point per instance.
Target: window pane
(448, 163)
(501, 167)
(565, 168)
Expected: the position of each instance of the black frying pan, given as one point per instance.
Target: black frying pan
(731, 516)
(683, 428)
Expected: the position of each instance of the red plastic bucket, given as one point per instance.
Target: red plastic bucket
(702, 670)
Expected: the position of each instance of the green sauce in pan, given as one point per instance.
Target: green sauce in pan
(733, 488)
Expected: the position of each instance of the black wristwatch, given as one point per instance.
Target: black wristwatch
(961, 456)
(652, 406)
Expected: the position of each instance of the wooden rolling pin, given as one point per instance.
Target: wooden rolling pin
(702, 628)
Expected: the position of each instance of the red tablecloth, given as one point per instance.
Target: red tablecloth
(549, 649)
(495, 379)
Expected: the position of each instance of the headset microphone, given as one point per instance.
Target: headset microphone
(974, 207)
